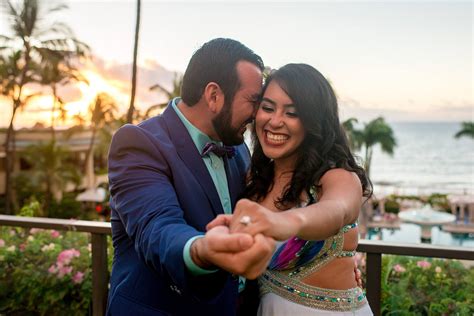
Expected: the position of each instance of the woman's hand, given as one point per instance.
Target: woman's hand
(252, 218)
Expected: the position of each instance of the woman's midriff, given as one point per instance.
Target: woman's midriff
(337, 275)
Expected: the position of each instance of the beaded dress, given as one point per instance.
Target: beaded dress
(282, 291)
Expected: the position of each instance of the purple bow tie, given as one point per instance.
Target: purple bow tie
(219, 150)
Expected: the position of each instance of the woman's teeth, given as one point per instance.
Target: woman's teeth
(276, 137)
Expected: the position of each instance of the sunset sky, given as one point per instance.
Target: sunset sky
(404, 60)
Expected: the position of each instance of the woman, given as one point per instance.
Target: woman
(309, 191)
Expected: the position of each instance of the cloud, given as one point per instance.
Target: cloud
(148, 74)
(70, 93)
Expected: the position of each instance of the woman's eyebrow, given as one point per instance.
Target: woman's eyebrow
(269, 101)
(289, 105)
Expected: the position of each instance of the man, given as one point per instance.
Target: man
(169, 178)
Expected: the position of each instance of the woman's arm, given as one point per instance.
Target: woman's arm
(338, 205)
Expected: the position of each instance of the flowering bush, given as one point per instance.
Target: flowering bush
(424, 286)
(44, 272)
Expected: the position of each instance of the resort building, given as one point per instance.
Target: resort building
(76, 143)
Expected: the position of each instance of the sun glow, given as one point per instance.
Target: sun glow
(39, 108)
(96, 84)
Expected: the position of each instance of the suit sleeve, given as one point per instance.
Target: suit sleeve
(146, 202)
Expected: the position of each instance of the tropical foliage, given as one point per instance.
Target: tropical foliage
(50, 170)
(420, 286)
(37, 41)
(467, 130)
(102, 111)
(169, 94)
(376, 132)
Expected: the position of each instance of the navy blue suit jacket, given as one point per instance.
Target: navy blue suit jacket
(161, 196)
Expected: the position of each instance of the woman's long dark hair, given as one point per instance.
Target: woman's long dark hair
(325, 145)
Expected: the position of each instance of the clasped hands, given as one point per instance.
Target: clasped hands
(242, 243)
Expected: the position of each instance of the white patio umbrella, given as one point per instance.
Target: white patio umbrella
(92, 195)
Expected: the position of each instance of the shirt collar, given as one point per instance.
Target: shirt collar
(199, 138)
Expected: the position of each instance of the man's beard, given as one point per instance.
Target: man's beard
(223, 126)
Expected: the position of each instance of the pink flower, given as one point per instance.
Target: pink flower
(35, 230)
(65, 256)
(22, 247)
(53, 269)
(423, 264)
(55, 233)
(63, 271)
(398, 268)
(78, 277)
(2, 243)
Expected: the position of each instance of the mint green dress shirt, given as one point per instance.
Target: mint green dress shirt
(215, 166)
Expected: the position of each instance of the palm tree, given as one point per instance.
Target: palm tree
(13, 78)
(39, 40)
(50, 170)
(375, 132)
(134, 69)
(353, 135)
(170, 94)
(467, 130)
(102, 111)
(55, 74)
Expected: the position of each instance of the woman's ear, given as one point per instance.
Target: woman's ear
(214, 97)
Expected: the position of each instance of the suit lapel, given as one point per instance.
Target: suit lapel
(188, 152)
(233, 180)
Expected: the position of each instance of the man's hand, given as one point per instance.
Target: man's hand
(236, 253)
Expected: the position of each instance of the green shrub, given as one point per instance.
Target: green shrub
(439, 201)
(44, 272)
(392, 206)
(419, 286)
(31, 208)
(67, 208)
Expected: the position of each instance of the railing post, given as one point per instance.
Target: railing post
(100, 274)
(374, 275)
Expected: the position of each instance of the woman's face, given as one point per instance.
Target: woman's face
(279, 129)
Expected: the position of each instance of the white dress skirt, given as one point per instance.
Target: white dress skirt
(274, 305)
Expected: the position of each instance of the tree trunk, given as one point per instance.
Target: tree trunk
(9, 158)
(131, 108)
(90, 150)
(368, 159)
(9, 162)
(48, 195)
(53, 111)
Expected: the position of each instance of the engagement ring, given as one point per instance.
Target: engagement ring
(245, 220)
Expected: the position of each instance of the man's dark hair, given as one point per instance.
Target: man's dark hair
(216, 62)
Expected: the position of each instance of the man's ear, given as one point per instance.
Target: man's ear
(214, 97)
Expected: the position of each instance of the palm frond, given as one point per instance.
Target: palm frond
(467, 130)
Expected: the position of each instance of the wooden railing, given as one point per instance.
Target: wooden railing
(98, 231)
(100, 273)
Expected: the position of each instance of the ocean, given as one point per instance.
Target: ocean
(427, 159)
